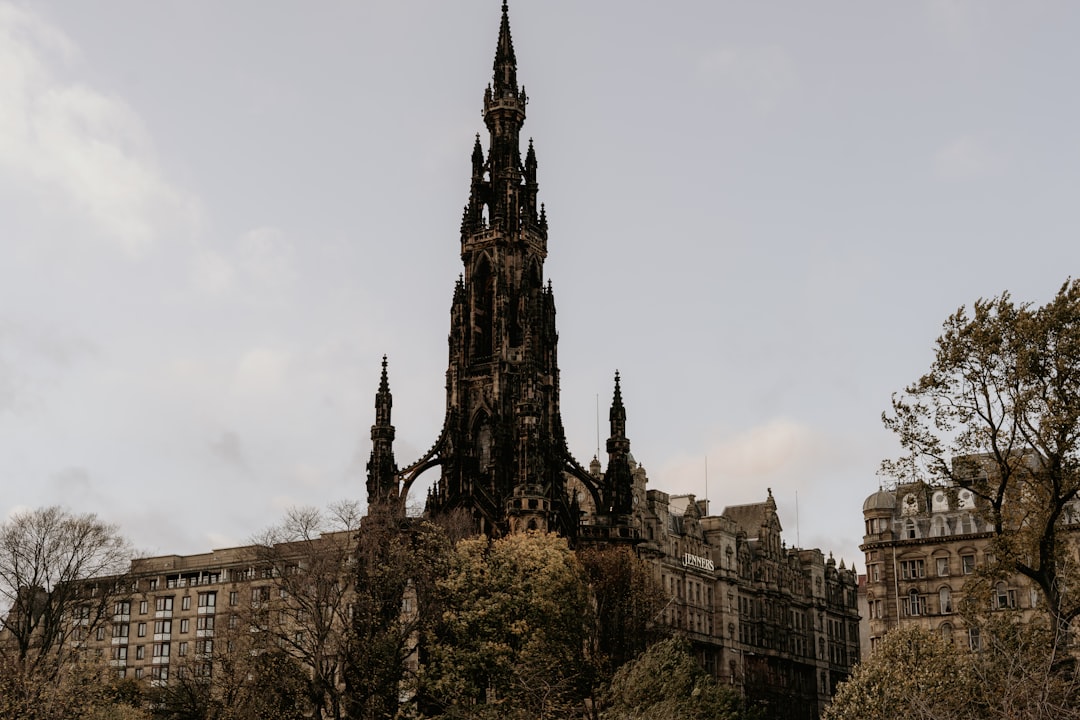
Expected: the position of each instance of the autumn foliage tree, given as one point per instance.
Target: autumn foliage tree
(626, 598)
(667, 683)
(512, 636)
(998, 412)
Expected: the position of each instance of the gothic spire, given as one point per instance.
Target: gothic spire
(382, 470)
(505, 81)
(617, 414)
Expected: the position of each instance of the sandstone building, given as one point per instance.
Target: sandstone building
(925, 547)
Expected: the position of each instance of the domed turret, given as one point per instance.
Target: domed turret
(881, 500)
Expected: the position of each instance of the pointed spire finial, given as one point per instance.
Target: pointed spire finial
(384, 381)
(505, 61)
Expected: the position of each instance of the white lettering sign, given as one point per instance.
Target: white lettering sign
(689, 560)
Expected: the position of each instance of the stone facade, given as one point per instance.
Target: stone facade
(924, 544)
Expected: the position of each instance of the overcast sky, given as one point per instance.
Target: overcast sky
(216, 217)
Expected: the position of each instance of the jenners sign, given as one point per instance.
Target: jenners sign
(695, 561)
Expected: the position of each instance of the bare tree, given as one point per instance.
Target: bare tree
(57, 571)
(309, 561)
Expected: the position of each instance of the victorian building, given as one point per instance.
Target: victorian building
(927, 549)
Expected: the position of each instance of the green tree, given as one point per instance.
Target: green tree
(627, 598)
(667, 683)
(999, 412)
(512, 636)
(913, 674)
(399, 561)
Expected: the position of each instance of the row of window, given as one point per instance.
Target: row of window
(916, 569)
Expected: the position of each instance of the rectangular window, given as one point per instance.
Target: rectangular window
(967, 564)
(142, 607)
(260, 594)
(138, 673)
(1004, 598)
(141, 631)
(875, 573)
(204, 647)
(943, 567)
(204, 622)
(122, 608)
(207, 600)
(913, 604)
(164, 603)
(119, 653)
(120, 631)
(140, 652)
(974, 640)
(234, 622)
(185, 604)
(160, 672)
(161, 650)
(100, 633)
(912, 569)
(185, 625)
(181, 650)
(162, 626)
(234, 598)
(153, 583)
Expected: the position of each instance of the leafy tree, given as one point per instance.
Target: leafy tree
(83, 688)
(399, 561)
(913, 674)
(667, 683)
(999, 412)
(48, 603)
(627, 599)
(510, 643)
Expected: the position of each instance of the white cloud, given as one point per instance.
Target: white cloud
(968, 157)
(266, 257)
(212, 273)
(260, 372)
(780, 453)
(760, 76)
(66, 138)
(259, 268)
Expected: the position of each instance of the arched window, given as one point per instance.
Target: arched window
(939, 527)
(946, 631)
(945, 600)
(913, 603)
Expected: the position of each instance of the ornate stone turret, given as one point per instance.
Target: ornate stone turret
(382, 480)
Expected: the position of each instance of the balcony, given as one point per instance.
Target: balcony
(121, 618)
(162, 637)
(204, 633)
(163, 614)
(160, 660)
